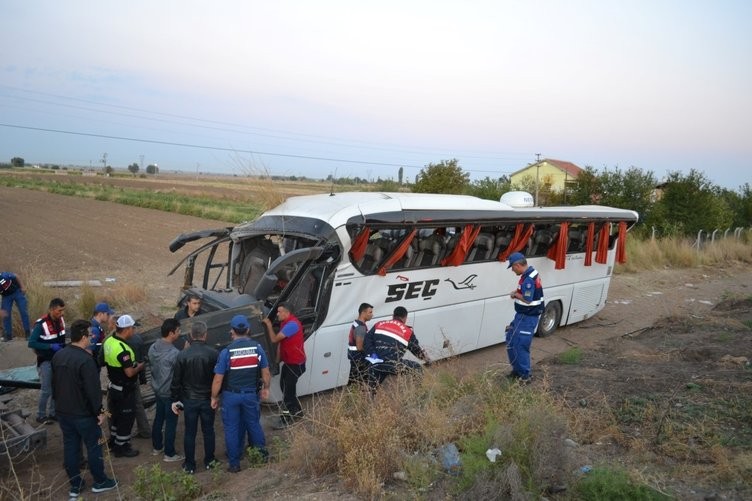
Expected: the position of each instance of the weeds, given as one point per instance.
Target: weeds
(155, 483)
(572, 356)
(615, 485)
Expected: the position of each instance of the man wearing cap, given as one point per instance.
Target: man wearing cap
(528, 307)
(47, 338)
(13, 291)
(242, 367)
(99, 322)
(291, 353)
(122, 370)
(387, 342)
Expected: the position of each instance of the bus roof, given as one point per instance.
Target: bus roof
(378, 207)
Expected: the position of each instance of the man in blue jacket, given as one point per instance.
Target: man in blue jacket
(528, 307)
(13, 291)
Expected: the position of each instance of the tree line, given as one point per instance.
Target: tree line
(680, 205)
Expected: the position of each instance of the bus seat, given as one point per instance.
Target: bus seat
(541, 241)
(372, 258)
(503, 239)
(482, 247)
(430, 250)
(576, 240)
(408, 259)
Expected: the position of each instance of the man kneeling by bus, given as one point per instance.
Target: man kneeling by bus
(386, 344)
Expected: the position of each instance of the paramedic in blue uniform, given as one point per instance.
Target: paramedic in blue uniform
(242, 369)
(528, 307)
(386, 344)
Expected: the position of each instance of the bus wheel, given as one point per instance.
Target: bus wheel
(550, 319)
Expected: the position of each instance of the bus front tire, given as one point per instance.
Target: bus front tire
(550, 319)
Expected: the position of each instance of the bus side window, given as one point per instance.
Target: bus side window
(576, 239)
(503, 239)
(542, 239)
(430, 250)
(482, 247)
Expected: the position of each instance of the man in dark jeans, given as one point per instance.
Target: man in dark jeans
(191, 389)
(75, 384)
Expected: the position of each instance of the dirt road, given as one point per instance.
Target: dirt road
(67, 238)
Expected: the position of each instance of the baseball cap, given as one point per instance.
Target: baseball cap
(239, 323)
(515, 257)
(103, 308)
(124, 321)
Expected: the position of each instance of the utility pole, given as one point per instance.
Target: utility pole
(537, 176)
(141, 157)
(104, 162)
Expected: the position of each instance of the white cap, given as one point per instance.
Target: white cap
(125, 321)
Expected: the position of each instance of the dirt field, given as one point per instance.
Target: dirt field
(658, 347)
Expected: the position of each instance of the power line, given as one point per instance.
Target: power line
(204, 147)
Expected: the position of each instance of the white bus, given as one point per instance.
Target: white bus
(443, 257)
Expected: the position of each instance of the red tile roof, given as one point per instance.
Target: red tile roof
(569, 167)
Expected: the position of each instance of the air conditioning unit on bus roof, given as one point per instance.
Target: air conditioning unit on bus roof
(517, 199)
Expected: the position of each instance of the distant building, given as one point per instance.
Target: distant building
(552, 173)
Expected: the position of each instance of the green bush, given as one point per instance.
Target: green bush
(154, 483)
(614, 485)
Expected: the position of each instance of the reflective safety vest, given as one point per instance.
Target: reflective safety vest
(51, 333)
(116, 353)
(394, 329)
(244, 358)
(531, 289)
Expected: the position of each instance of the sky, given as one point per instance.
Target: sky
(347, 88)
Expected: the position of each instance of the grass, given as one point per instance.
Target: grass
(614, 485)
(572, 356)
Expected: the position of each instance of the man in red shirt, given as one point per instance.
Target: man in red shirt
(292, 355)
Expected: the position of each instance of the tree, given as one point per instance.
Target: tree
(690, 203)
(152, 169)
(108, 170)
(133, 168)
(489, 189)
(445, 177)
(400, 174)
(17, 162)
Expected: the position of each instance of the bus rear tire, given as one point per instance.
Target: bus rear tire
(550, 319)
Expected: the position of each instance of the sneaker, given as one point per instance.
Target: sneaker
(51, 419)
(156, 452)
(76, 490)
(105, 485)
(233, 469)
(173, 458)
(44, 420)
(124, 451)
(188, 469)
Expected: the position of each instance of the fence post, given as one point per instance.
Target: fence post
(725, 233)
(698, 242)
(738, 232)
(712, 237)
(652, 236)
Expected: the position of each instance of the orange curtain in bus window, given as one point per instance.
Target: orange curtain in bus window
(558, 251)
(601, 254)
(398, 253)
(459, 253)
(521, 235)
(621, 243)
(359, 245)
(589, 244)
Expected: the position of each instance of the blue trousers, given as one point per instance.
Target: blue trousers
(519, 337)
(75, 430)
(19, 298)
(241, 417)
(195, 411)
(45, 394)
(164, 416)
